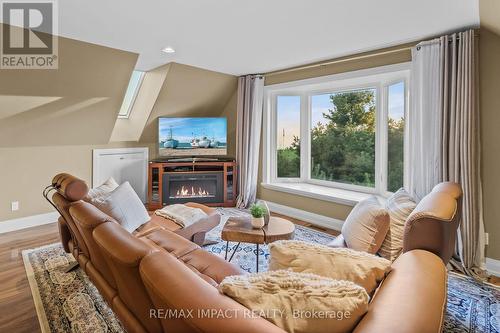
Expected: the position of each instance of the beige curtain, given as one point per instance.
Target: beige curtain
(248, 130)
(446, 97)
(461, 143)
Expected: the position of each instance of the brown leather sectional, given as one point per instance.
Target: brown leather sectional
(157, 268)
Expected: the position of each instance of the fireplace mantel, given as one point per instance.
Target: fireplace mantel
(212, 183)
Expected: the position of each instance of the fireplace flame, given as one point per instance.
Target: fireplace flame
(186, 192)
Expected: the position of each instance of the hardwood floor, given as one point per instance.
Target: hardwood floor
(17, 310)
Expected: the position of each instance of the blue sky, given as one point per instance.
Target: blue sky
(184, 129)
(288, 108)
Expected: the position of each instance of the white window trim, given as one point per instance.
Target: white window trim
(132, 101)
(379, 78)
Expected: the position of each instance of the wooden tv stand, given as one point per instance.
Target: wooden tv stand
(161, 173)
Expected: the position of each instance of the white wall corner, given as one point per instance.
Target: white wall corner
(316, 219)
(493, 266)
(28, 222)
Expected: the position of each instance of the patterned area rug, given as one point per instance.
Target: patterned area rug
(65, 302)
(69, 302)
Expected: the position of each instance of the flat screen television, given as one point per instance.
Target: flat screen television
(191, 137)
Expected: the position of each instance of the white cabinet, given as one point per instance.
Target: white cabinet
(123, 164)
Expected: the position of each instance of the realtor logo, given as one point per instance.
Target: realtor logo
(29, 36)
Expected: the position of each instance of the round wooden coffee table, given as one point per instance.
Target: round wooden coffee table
(239, 229)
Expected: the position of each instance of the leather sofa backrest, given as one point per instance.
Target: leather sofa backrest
(70, 187)
(87, 218)
(433, 224)
(412, 298)
(172, 285)
(124, 253)
(63, 205)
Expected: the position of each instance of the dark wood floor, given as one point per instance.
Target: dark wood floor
(17, 310)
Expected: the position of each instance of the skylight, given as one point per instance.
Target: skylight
(131, 94)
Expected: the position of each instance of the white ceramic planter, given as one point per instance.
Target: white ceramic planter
(257, 222)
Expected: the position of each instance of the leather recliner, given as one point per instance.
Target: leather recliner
(70, 189)
(433, 224)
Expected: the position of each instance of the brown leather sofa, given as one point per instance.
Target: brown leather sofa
(160, 270)
(433, 224)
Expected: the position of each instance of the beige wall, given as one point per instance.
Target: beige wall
(25, 171)
(230, 113)
(392, 55)
(189, 91)
(50, 120)
(489, 71)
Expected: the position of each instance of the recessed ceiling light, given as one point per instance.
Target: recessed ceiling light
(168, 49)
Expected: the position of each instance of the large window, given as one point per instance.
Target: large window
(131, 94)
(344, 131)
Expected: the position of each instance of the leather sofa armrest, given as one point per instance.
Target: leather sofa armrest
(411, 299)
(206, 209)
(204, 225)
(172, 285)
(433, 224)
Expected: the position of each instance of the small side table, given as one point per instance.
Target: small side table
(240, 230)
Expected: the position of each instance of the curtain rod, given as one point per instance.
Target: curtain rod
(332, 62)
(364, 56)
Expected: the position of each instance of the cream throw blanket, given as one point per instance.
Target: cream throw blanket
(181, 214)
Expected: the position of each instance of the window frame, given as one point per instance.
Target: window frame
(134, 96)
(379, 78)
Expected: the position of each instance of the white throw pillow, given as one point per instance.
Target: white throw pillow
(125, 206)
(364, 269)
(400, 205)
(299, 302)
(102, 191)
(366, 226)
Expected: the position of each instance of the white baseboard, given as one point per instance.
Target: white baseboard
(493, 266)
(319, 220)
(28, 222)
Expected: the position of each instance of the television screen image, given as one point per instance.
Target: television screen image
(192, 137)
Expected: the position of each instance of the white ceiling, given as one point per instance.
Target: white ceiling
(253, 36)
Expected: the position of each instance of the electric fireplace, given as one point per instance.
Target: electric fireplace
(201, 187)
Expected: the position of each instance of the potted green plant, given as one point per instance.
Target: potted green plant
(258, 212)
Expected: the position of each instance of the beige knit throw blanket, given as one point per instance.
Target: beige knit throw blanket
(181, 214)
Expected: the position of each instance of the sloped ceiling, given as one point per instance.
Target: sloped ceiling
(189, 92)
(75, 104)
